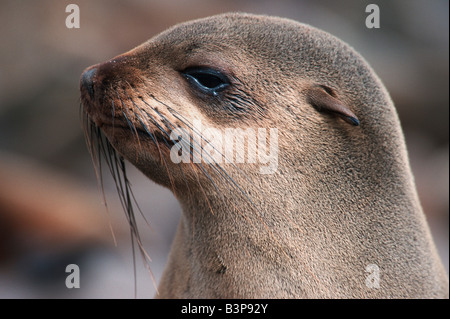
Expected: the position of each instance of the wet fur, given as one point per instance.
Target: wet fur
(343, 196)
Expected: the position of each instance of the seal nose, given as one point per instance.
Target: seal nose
(87, 81)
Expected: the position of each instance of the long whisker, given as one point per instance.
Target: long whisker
(201, 166)
(222, 171)
(91, 134)
(126, 195)
(147, 118)
(168, 135)
(129, 122)
(230, 180)
(189, 125)
(100, 148)
(191, 147)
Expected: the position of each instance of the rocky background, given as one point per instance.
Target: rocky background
(51, 211)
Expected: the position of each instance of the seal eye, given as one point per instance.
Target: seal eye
(207, 80)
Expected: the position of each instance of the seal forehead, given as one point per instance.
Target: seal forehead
(221, 42)
(278, 41)
(235, 28)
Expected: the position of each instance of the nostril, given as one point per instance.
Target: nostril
(87, 81)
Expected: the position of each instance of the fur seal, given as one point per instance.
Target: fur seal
(339, 217)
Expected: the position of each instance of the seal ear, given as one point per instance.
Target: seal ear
(324, 98)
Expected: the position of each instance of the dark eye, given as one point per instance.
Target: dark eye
(207, 80)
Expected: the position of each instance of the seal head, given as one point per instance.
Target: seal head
(341, 198)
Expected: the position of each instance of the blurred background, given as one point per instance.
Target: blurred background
(51, 210)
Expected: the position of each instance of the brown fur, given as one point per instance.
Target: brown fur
(343, 196)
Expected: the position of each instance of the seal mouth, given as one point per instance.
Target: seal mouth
(130, 128)
(119, 128)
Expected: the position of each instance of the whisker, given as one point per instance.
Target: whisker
(91, 135)
(172, 183)
(190, 126)
(130, 124)
(219, 169)
(168, 135)
(99, 148)
(149, 119)
(235, 185)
